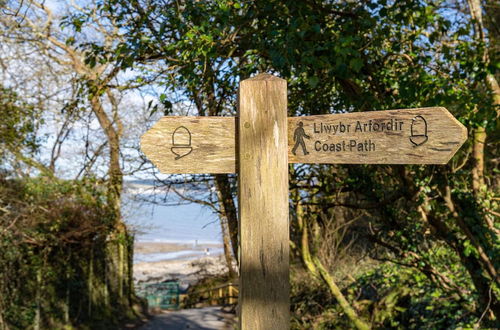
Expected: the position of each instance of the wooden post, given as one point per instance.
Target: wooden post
(263, 204)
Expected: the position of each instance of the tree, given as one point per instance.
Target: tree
(92, 91)
(349, 56)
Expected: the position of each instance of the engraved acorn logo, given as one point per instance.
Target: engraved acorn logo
(181, 142)
(418, 131)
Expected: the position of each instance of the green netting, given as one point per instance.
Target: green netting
(161, 295)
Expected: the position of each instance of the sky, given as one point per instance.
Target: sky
(152, 222)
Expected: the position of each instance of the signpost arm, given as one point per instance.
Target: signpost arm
(263, 204)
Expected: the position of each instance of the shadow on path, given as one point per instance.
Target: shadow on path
(208, 318)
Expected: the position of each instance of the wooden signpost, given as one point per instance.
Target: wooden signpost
(259, 145)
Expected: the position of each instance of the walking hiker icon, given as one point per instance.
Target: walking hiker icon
(298, 137)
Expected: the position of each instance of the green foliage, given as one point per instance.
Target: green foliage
(52, 232)
(398, 297)
(390, 297)
(337, 56)
(18, 126)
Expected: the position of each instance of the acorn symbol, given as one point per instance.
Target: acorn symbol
(181, 141)
(418, 131)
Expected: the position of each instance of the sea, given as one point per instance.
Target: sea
(178, 222)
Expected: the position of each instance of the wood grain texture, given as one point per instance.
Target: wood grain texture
(213, 145)
(377, 137)
(263, 204)
(214, 140)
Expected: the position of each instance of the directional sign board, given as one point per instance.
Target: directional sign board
(412, 136)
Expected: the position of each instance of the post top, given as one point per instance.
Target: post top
(264, 77)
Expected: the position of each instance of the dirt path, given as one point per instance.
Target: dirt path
(208, 318)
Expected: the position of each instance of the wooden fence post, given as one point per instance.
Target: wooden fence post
(263, 204)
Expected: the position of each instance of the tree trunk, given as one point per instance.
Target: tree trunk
(38, 313)
(227, 202)
(315, 267)
(487, 298)
(114, 171)
(304, 240)
(227, 247)
(90, 281)
(491, 83)
(3, 324)
(479, 139)
(67, 290)
(488, 264)
(344, 304)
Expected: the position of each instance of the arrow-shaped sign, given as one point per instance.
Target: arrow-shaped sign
(412, 136)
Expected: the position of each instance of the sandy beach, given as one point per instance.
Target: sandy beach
(160, 247)
(181, 262)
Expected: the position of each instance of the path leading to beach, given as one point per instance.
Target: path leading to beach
(156, 262)
(208, 318)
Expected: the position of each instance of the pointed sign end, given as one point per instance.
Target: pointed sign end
(463, 129)
(462, 136)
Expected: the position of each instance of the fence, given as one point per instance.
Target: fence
(166, 295)
(225, 294)
(160, 295)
